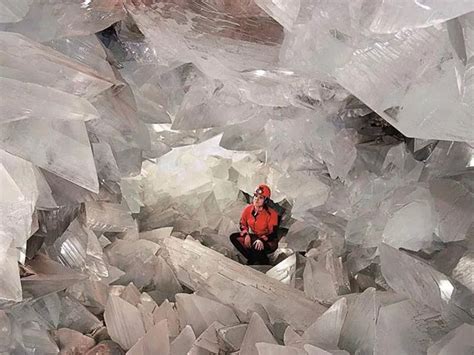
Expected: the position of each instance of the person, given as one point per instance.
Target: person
(258, 229)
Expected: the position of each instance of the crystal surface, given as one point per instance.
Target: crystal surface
(52, 69)
(155, 341)
(123, 321)
(134, 133)
(200, 312)
(46, 20)
(211, 273)
(326, 330)
(230, 338)
(325, 278)
(183, 342)
(70, 340)
(284, 271)
(270, 349)
(107, 217)
(208, 339)
(257, 332)
(167, 310)
(424, 284)
(458, 341)
(74, 162)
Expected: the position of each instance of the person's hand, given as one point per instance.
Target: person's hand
(264, 238)
(247, 241)
(258, 244)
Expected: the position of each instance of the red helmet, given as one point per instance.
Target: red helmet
(263, 190)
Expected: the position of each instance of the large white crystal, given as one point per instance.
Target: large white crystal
(411, 219)
(22, 100)
(411, 55)
(326, 330)
(285, 12)
(400, 329)
(107, 217)
(19, 193)
(47, 277)
(424, 284)
(247, 290)
(358, 331)
(200, 312)
(394, 15)
(459, 341)
(46, 20)
(167, 311)
(87, 50)
(285, 270)
(183, 342)
(257, 332)
(52, 68)
(73, 162)
(325, 278)
(463, 270)
(10, 288)
(78, 248)
(155, 341)
(12, 10)
(124, 322)
(455, 207)
(208, 339)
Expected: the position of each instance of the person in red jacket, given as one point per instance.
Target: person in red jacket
(258, 229)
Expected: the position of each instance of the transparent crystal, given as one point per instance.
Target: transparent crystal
(46, 20)
(455, 208)
(285, 12)
(107, 217)
(74, 162)
(52, 69)
(86, 50)
(19, 195)
(393, 16)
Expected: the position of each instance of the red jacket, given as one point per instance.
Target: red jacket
(261, 223)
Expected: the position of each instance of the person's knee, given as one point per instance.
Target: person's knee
(234, 237)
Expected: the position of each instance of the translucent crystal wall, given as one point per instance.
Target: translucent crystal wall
(129, 125)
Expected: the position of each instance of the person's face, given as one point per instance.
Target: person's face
(258, 200)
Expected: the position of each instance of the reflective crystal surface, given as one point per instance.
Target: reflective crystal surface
(133, 134)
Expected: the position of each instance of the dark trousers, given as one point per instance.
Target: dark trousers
(254, 257)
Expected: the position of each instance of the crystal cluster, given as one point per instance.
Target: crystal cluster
(133, 133)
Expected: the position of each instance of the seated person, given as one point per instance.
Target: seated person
(258, 229)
